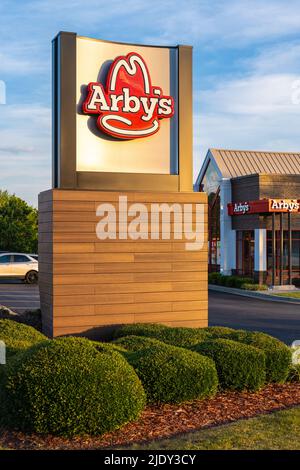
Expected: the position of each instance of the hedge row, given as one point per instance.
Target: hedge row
(278, 355)
(235, 281)
(228, 281)
(181, 337)
(72, 386)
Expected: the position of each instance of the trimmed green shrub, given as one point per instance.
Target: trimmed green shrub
(239, 366)
(254, 287)
(181, 337)
(278, 355)
(173, 375)
(18, 337)
(70, 386)
(228, 281)
(236, 281)
(108, 346)
(294, 373)
(134, 343)
(218, 331)
(214, 278)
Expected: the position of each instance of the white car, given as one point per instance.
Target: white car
(19, 266)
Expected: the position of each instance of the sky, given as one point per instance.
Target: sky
(246, 72)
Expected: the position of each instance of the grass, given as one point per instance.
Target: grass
(276, 431)
(295, 295)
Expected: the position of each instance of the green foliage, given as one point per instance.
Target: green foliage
(218, 331)
(254, 287)
(239, 366)
(70, 386)
(181, 337)
(173, 375)
(228, 281)
(278, 355)
(18, 224)
(294, 373)
(214, 278)
(18, 337)
(134, 343)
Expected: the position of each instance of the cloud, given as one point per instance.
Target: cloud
(25, 150)
(252, 113)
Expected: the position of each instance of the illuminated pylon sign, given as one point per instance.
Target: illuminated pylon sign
(129, 107)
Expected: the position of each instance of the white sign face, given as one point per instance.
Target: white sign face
(241, 208)
(288, 205)
(107, 140)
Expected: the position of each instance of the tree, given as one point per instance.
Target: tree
(18, 224)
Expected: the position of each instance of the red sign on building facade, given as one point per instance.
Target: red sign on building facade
(263, 206)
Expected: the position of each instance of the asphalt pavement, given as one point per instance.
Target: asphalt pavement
(19, 296)
(278, 319)
(281, 320)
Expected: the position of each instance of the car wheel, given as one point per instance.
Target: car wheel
(31, 277)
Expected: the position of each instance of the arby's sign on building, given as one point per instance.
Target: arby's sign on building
(264, 206)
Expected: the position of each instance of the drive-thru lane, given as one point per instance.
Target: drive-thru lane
(278, 319)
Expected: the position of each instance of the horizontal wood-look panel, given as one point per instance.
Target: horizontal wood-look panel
(75, 330)
(108, 196)
(133, 267)
(89, 285)
(99, 258)
(116, 278)
(67, 215)
(146, 229)
(129, 287)
(132, 308)
(93, 258)
(85, 237)
(96, 320)
(189, 324)
(112, 247)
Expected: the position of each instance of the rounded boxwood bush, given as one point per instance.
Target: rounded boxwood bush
(278, 355)
(239, 366)
(173, 375)
(134, 343)
(18, 337)
(70, 387)
(294, 373)
(176, 336)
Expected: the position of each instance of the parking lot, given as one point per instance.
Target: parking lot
(19, 296)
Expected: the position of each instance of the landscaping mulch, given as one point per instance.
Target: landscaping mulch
(168, 420)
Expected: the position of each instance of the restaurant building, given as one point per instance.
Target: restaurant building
(254, 214)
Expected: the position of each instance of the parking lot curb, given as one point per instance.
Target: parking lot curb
(253, 295)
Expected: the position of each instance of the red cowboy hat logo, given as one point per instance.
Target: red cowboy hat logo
(129, 107)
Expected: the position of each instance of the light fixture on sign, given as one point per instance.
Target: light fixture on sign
(129, 107)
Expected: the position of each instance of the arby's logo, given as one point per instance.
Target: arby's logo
(129, 106)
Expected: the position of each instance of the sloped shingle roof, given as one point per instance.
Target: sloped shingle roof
(233, 163)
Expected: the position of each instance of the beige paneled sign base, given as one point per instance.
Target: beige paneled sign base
(88, 286)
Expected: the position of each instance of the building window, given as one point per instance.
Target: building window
(210, 185)
(295, 255)
(245, 253)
